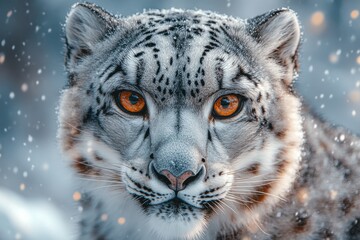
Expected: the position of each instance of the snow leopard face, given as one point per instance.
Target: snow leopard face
(185, 117)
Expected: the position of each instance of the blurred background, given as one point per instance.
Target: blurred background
(36, 189)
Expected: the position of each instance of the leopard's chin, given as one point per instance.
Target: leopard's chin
(181, 220)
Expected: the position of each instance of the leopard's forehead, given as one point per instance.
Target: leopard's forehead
(185, 55)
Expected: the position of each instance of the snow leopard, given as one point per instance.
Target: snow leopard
(185, 124)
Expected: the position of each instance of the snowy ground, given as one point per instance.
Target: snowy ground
(36, 192)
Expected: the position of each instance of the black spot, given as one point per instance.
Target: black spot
(345, 205)
(171, 61)
(151, 156)
(117, 69)
(183, 92)
(167, 81)
(139, 54)
(192, 93)
(201, 60)
(164, 32)
(353, 231)
(209, 136)
(100, 89)
(189, 82)
(301, 219)
(161, 78)
(262, 110)
(259, 98)
(159, 88)
(147, 133)
(156, 50)
(202, 82)
(214, 45)
(151, 44)
(158, 67)
(214, 39)
(145, 39)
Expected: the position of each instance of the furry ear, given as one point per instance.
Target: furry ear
(86, 24)
(278, 32)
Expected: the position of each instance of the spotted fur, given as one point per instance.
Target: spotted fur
(272, 171)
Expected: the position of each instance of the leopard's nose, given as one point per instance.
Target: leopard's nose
(177, 183)
(177, 164)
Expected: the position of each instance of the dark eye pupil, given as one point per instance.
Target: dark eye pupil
(225, 102)
(134, 99)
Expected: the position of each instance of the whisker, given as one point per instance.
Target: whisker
(257, 223)
(107, 186)
(229, 207)
(256, 181)
(235, 198)
(99, 180)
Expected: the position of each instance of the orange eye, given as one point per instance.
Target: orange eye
(227, 106)
(131, 102)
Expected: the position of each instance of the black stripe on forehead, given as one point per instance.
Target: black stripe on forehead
(118, 68)
(140, 69)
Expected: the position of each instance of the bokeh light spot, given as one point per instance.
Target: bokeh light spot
(121, 220)
(76, 196)
(317, 18)
(358, 60)
(354, 14)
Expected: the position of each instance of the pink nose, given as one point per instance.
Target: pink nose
(177, 183)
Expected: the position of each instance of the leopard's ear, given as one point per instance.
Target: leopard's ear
(86, 24)
(278, 32)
